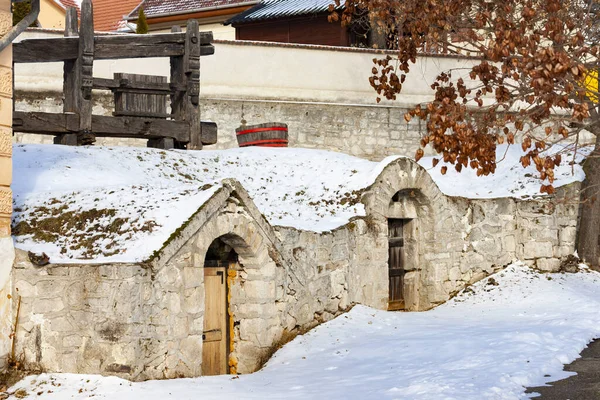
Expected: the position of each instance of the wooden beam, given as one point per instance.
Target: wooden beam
(133, 127)
(109, 47)
(209, 132)
(45, 123)
(85, 64)
(71, 82)
(177, 79)
(45, 50)
(102, 126)
(142, 87)
(191, 68)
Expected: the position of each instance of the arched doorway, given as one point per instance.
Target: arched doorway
(408, 213)
(216, 336)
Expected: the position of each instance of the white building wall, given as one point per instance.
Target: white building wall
(258, 70)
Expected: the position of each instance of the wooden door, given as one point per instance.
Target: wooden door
(214, 347)
(396, 263)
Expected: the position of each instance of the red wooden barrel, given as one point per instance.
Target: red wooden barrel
(271, 134)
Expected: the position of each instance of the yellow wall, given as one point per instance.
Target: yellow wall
(51, 15)
(6, 245)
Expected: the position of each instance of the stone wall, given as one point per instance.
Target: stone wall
(371, 132)
(6, 245)
(366, 131)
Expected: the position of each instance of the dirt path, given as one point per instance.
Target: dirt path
(583, 386)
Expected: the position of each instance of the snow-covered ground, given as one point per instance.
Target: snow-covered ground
(488, 343)
(103, 204)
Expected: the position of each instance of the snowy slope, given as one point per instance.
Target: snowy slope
(485, 344)
(120, 204)
(154, 192)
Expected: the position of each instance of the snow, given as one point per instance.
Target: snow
(488, 343)
(307, 189)
(510, 178)
(130, 200)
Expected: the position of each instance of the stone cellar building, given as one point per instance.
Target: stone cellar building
(228, 288)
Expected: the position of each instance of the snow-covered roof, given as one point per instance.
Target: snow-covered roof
(271, 9)
(121, 204)
(128, 201)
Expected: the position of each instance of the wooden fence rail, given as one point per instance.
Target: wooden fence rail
(140, 100)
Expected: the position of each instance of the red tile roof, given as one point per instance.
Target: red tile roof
(154, 8)
(108, 14)
(68, 3)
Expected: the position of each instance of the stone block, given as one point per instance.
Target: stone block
(489, 246)
(43, 306)
(538, 250)
(60, 324)
(49, 288)
(24, 288)
(196, 326)
(168, 275)
(72, 341)
(173, 302)
(564, 250)
(252, 310)
(509, 244)
(193, 277)
(454, 274)
(191, 346)
(259, 290)
(5, 171)
(548, 264)
(193, 300)
(250, 328)
(567, 235)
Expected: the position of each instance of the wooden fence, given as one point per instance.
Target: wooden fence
(140, 100)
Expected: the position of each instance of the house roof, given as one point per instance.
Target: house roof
(109, 14)
(64, 4)
(271, 9)
(68, 3)
(159, 8)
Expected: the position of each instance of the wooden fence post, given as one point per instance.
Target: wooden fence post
(71, 79)
(191, 67)
(177, 95)
(86, 65)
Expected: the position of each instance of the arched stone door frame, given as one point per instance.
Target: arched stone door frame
(254, 320)
(405, 190)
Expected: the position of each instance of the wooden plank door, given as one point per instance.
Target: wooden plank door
(396, 263)
(214, 347)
